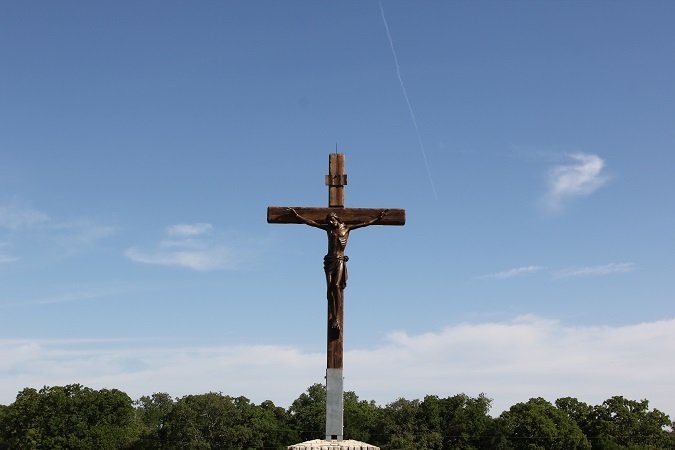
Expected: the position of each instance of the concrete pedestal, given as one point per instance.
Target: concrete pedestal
(318, 444)
(334, 404)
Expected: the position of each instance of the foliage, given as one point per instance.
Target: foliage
(578, 411)
(213, 420)
(620, 424)
(361, 418)
(462, 421)
(76, 417)
(308, 413)
(276, 425)
(404, 428)
(69, 417)
(538, 425)
(4, 410)
(458, 422)
(151, 412)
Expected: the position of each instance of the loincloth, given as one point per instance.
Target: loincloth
(337, 268)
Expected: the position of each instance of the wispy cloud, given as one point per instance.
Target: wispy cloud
(75, 235)
(185, 230)
(583, 177)
(511, 361)
(206, 259)
(33, 233)
(190, 248)
(4, 256)
(4, 259)
(515, 272)
(66, 294)
(17, 215)
(589, 271)
(585, 271)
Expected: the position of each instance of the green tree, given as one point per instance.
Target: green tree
(308, 413)
(4, 410)
(538, 425)
(620, 423)
(70, 417)
(213, 421)
(405, 427)
(578, 411)
(462, 421)
(361, 418)
(151, 412)
(276, 427)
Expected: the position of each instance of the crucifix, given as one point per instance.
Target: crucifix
(337, 221)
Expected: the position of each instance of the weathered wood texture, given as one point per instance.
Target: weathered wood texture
(336, 180)
(349, 216)
(335, 340)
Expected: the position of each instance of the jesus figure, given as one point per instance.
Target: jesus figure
(335, 262)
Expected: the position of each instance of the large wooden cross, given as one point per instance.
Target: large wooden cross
(337, 221)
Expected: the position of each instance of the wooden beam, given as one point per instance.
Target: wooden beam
(350, 216)
(336, 180)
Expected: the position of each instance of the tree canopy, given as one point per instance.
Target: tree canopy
(69, 417)
(77, 417)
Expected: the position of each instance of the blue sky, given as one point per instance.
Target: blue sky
(531, 144)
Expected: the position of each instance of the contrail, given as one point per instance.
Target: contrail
(407, 100)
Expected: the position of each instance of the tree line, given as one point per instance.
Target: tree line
(78, 417)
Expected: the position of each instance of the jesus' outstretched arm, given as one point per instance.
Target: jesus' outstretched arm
(305, 220)
(383, 213)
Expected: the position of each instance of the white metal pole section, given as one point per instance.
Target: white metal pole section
(334, 404)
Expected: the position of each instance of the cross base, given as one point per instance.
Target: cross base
(334, 404)
(318, 444)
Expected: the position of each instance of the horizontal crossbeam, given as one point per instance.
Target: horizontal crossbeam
(349, 216)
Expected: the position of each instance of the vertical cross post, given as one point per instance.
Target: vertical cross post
(337, 221)
(336, 180)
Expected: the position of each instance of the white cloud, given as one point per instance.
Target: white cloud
(75, 236)
(207, 259)
(587, 271)
(70, 294)
(510, 361)
(517, 271)
(17, 215)
(531, 356)
(36, 232)
(185, 230)
(574, 180)
(190, 248)
(4, 259)
(88, 233)
(143, 367)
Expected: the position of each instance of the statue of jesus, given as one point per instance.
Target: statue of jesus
(335, 262)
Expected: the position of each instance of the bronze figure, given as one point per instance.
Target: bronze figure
(335, 261)
(337, 221)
